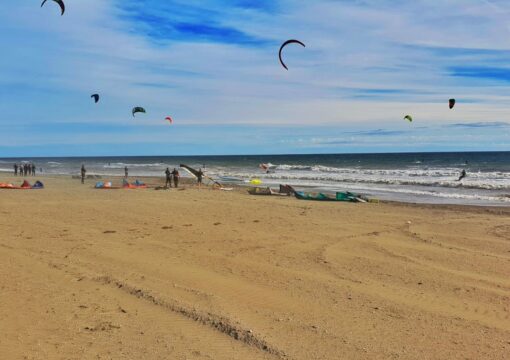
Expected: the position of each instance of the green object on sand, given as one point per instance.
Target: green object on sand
(340, 196)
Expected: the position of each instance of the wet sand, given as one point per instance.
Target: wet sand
(202, 274)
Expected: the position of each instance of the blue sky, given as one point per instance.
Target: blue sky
(213, 66)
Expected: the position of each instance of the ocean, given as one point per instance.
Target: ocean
(409, 177)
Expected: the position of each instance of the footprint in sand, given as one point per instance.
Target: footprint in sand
(217, 223)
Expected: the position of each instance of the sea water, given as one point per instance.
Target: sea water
(410, 177)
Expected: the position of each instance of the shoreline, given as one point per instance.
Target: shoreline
(241, 188)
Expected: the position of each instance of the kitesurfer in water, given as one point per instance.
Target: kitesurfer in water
(176, 175)
(462, 175)
(168, 183)
(83, 173)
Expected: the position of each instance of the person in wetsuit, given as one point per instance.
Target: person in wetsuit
(462, 175)
(176, 175)
(168, 182)
(200, 176)
(83, 173)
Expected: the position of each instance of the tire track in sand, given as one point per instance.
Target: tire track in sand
(216, 322)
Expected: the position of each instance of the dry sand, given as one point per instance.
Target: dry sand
(200, 274)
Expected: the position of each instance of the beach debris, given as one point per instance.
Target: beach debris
(169, 119)
(138, 109)
(95, 97)
(103, 326)
(109, 232)
(408, 118)
(60, 3)
(292, 41)
(451, 103)
(167, 227)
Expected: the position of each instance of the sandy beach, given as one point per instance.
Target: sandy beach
(202, 274)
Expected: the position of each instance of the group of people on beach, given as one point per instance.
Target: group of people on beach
(172, 175)
(24, 169)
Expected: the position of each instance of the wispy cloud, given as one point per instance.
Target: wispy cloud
(181, 22)
(379, 132)
(477, 125)
(489, 73)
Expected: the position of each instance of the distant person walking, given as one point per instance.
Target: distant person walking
(462, 175)
(176, 176)
(83, 173)
(15, 169)
(20, 170)
(126, 171)
(168, 183)
(33, 169)
(200, 176)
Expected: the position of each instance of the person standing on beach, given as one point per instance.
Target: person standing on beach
(200, 175)
(126, 171)
(15, 169)
(176, 175)
(83, 173)
(20, 170)
(168, 183)
(33, 169)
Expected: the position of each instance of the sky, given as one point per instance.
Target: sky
(213, 67)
